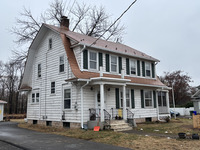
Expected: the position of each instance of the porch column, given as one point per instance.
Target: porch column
(167, 100)
(124, 102)
(102, 101)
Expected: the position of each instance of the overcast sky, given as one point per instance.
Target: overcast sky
(168, 30)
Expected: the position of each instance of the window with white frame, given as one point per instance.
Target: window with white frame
(35, 97)
(67, 98)
(93, 60)
(53, 89)
(162, 99)
(148, 98)
(148, 69)
(50, 43)
(61, 64)
(113, 63)
(39, 70)
(133, 65)
(127, 98)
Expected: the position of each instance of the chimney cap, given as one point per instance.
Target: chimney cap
(64, 22)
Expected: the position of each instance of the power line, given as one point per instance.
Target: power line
(114, 22)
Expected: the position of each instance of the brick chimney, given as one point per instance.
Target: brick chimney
(64, 22)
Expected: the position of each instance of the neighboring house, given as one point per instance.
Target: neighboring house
(71, 81)
(196, 100)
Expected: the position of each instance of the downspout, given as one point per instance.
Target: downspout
(82, 103)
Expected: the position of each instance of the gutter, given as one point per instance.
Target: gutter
(82, 103)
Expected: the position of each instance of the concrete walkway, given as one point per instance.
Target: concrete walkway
(12, 137)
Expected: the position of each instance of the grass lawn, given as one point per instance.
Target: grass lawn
(173, 127)
(131, 140)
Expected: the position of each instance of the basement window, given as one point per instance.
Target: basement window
(66, 124)
(48, 123)
(34, 121)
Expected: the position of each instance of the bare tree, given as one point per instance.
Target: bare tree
(84, 19)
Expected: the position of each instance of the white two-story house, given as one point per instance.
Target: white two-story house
(73, 78)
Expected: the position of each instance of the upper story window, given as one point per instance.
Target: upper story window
(67, 98)
(33, 97)
(148, 69)
(133, 67)
(61, 64)
(37, 97)
(148, 98)
(93, 60)
(39, 70)
(50, 43)
(53, 88)
(113, 63)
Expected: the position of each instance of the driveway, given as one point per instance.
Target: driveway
(13, 137)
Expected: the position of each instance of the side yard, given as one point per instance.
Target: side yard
(131, 140)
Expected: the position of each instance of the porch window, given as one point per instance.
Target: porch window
(113, 64)
(52, 87)
(33, 97)
(133, 67)
(61, 64)
(67, 98)
(148, 69)
(148, 98)
(127, 98)
(162, 99)
(93, 60)
(39, 70)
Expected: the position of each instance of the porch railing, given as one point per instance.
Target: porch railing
(117, 113)
(107, 118)
(130, 117)
(94, 113)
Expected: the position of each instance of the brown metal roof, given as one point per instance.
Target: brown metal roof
(102, 44)
(87, 75)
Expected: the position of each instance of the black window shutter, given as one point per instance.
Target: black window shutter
(154, 99)
(107, 63)
(100, 60)
(142, 98)
(153, 70)
(127, 66)
(117, 97)
(120, 64)
(85, 59)
(143, 69)
(138, 67)
(132, 98)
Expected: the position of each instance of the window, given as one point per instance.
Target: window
(113, 64)
(133, 67)
(33, 97)
(148, 69)
(61, 66)
(52, 87)
(37, 97)
(127, 98)
(148, 98)
(93, 60)
(50, 43)
(67, 98)
(39, 70)
(162, 99)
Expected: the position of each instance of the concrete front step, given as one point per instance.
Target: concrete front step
(120, 125)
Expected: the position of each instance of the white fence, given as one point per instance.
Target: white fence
(183, 111)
